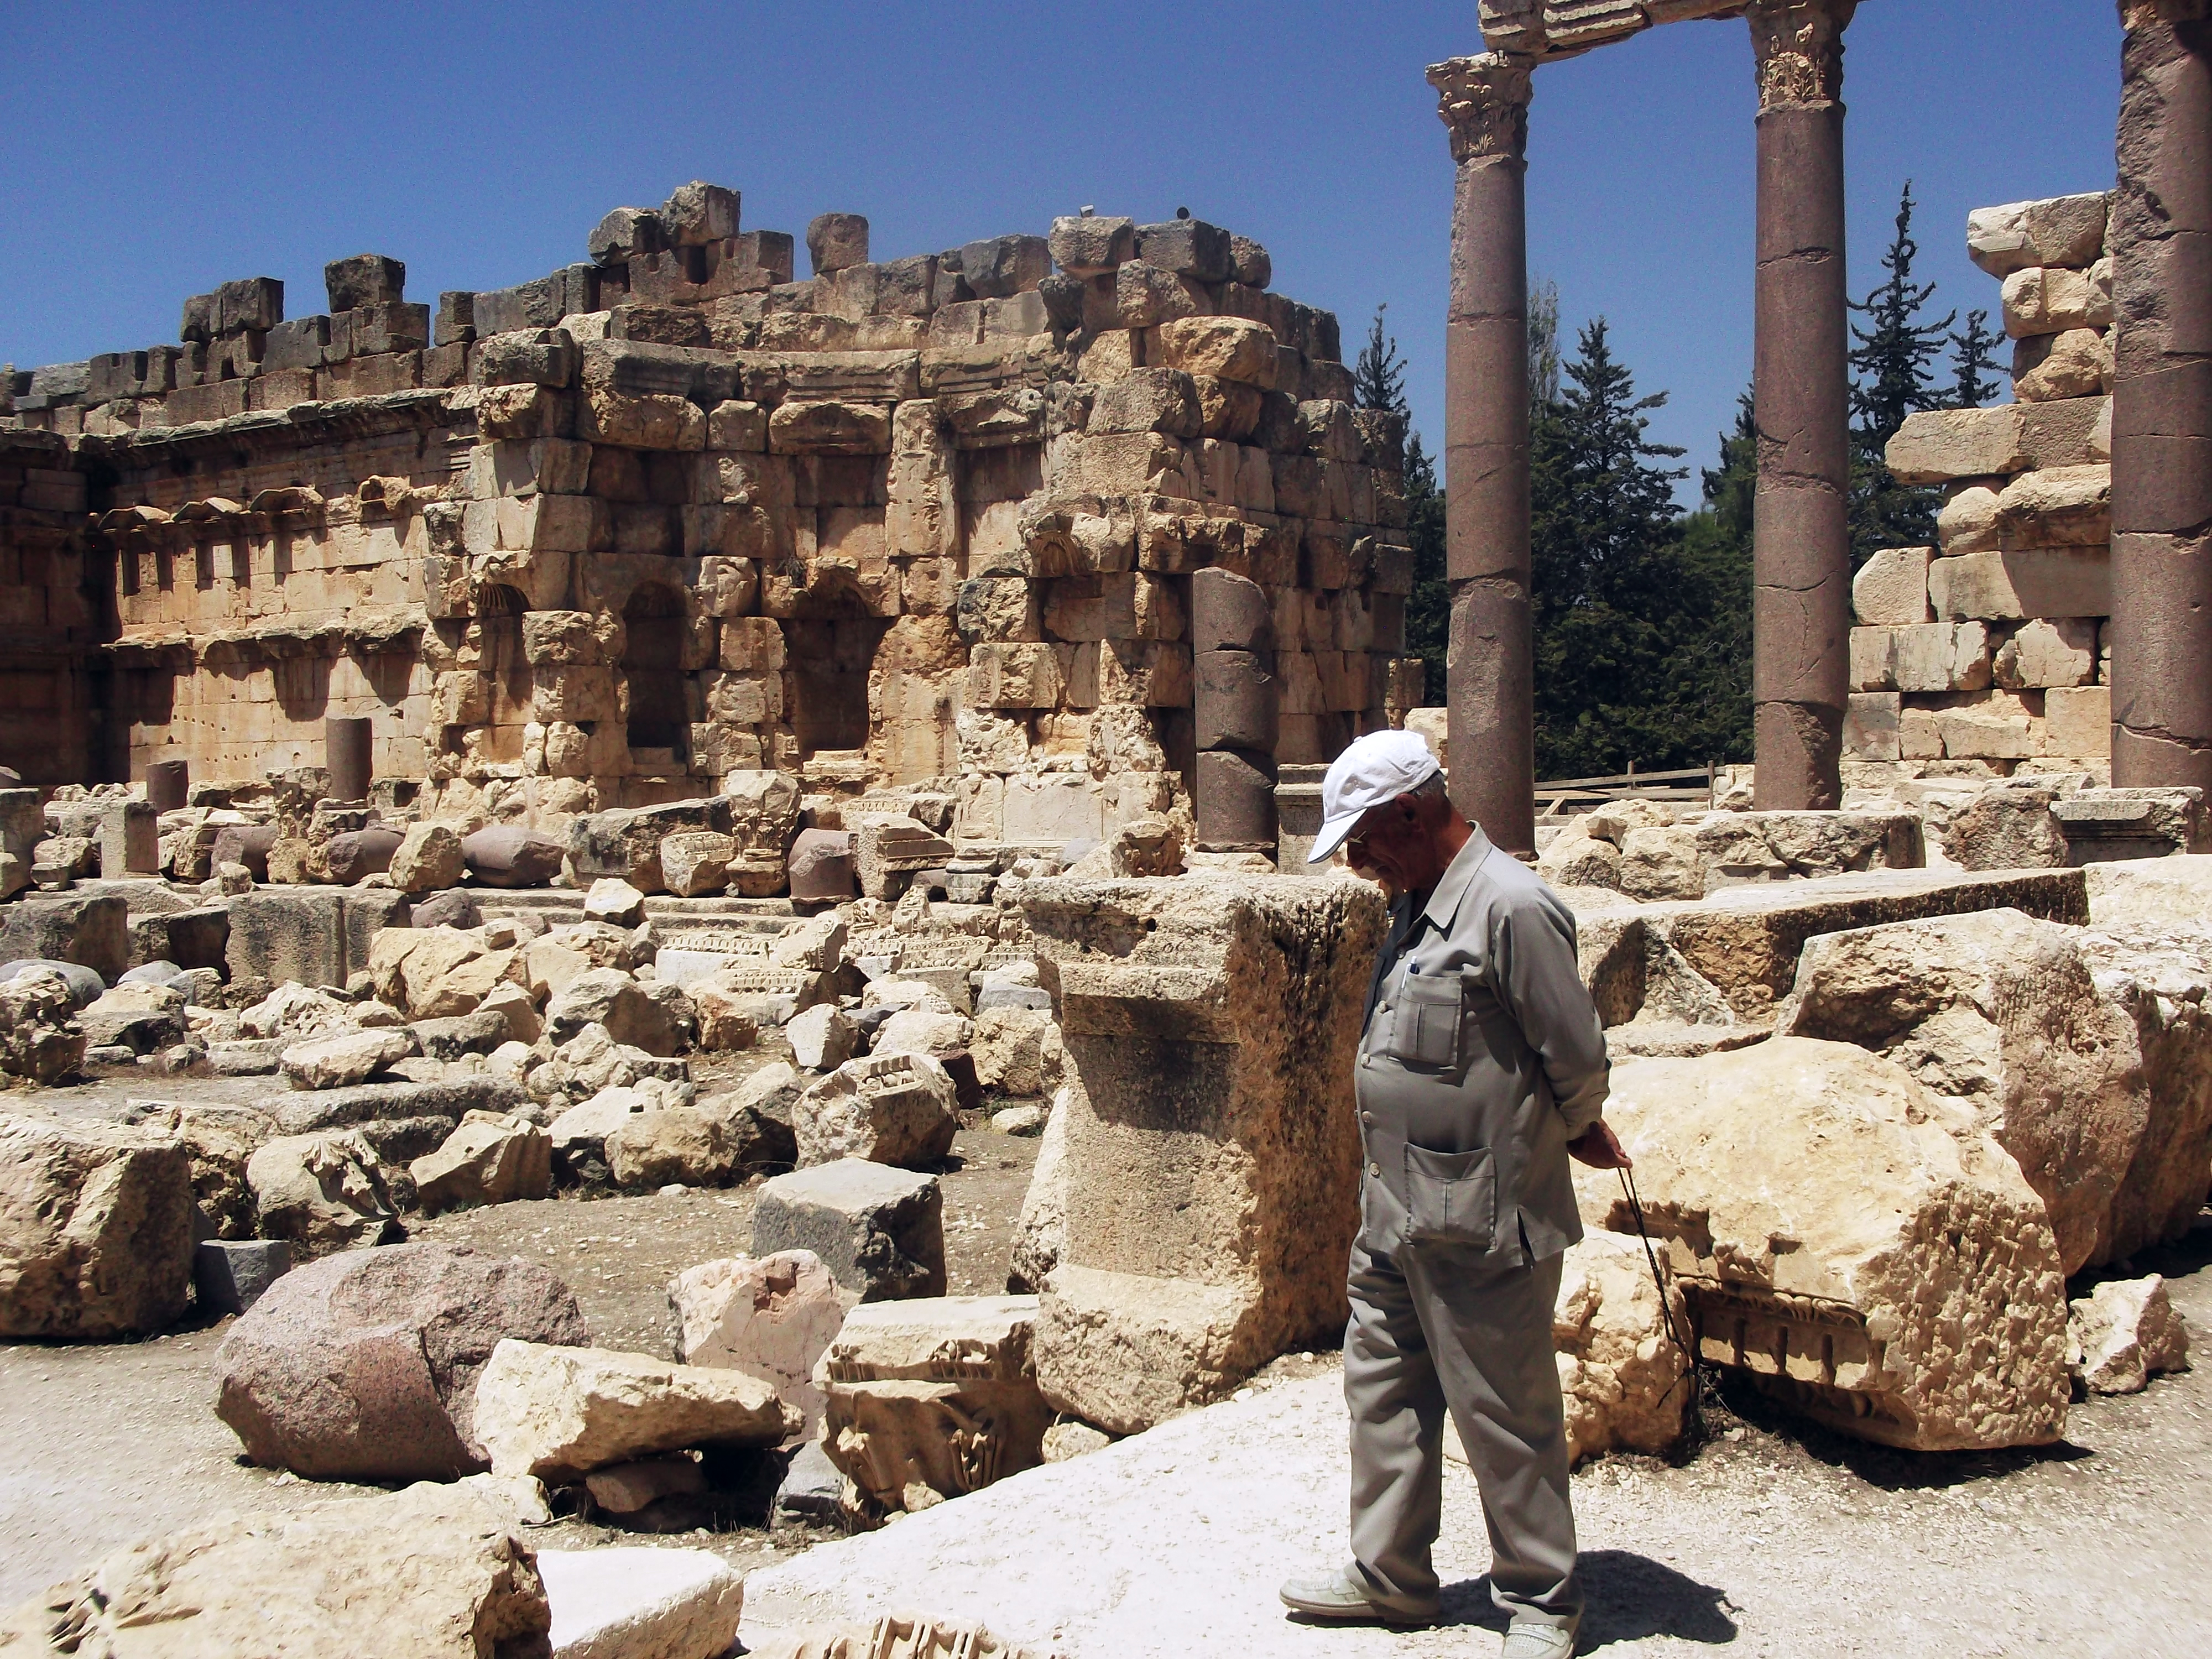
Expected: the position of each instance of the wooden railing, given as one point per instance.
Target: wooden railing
(1689, 785)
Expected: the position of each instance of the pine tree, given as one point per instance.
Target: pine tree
(1378, 374)
(1892, 360)
(1715, 663)
(1973, 353)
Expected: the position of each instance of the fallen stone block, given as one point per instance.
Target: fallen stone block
(770, 1317)
(323, 1192)
(1623, 1377)
(2123, 1334)
(823, 1038)
(693, 1144)
(2001, 1011)
(813, 1487)
(1040, 1231)
(230, 1275)
(880, 1231)
(490, 1159)
(508, 856)
(435, 1570)
(428, 859)
(1845, 1236)
(633, 1602)
(345, 1058)
(610, 997)
(559, 1412)
(363, 1366)
(96, 1229)
(367, 1103)
(219, 1139)
(93, 930)
(898, 1108)
(42, 1038)
(1126, 1351)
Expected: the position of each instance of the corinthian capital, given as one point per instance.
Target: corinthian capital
(1484, 102)
(1799, 46)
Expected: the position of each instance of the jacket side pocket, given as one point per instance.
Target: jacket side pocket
(1451, 1198)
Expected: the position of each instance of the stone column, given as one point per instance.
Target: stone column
(168, 784)
(1491, 682)
(347, 757)
(2161, 242)
(1801, 535)
(1235, 706)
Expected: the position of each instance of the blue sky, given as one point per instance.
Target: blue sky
(158, 151)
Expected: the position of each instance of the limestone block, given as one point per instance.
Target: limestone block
(129, 840)
(1227, 347)
(835, 241)
(1126, 1351)
(1621, 1377)
(2058, 506)
(610, 997)
(673, 1143)
(823, 1038)
(696, 861)
(2124, 1333)
(1871, 725)
(1967, 523)
(435, 1569)
(886, 846)
(349, 1057)
(1842, 1233)
(363, 1366)
(2000, 1012)
(1944, 656)
(2012, 585)
(879, 1231)
(229, 1276)
(898, 1107)
(1874, 658)
(770, 1317)
(2005, 828)
(1179, 1092)
(556, 1412)
(2077, 363)
(491, 1157)
(2047, 300)
(2078, 722)
(428, 857)
(2067, 431)
(91, 930)
(96, 1228)
(2047, 653)
(1918, 735)
(1146, 296)
(1891, 588)
(822, 866)
(829, 427)
(322, 1192)
(1940, 446)
(2062, 230)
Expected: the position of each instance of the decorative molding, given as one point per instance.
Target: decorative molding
(1483, 103)
(1799, 46)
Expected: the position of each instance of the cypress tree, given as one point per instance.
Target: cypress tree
(1893, 360)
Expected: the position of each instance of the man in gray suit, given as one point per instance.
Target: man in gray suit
(1482, 1069)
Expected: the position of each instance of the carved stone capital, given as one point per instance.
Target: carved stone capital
(1484, 101)
(1799, 46)
(2140, 14)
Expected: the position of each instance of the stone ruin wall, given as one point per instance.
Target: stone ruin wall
(1990, 645)
(601, 539)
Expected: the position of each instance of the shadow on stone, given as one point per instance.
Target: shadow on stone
(1628, 1598)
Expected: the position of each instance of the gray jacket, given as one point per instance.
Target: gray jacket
(1482, 1058)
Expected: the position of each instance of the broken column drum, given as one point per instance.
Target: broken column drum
(1236, 705)
(2160, 243)
(168, 784)
(1801, 537)
(1484, 101)
(347, 753)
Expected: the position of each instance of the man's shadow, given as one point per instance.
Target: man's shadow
(1627, 1597)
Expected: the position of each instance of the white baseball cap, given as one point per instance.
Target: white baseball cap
(1375, 768)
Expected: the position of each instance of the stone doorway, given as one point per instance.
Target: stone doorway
(652, 666)
(830, 644)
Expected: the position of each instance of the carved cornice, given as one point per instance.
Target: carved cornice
(1484, 101)
(1799, 46)
(2140, 14)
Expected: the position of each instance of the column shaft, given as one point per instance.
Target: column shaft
(2161, 241)
(1489, 660)
(1801, 537)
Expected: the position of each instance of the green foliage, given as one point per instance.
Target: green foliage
(1641, 620)
(1378, 374)
(1893, 361)
(1974, 354)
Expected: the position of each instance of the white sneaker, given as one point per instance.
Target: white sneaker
(1525, 1639)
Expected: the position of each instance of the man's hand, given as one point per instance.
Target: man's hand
(1600, 1148)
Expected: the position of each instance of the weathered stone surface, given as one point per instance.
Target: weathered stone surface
(1846, 1236)
(363, 1366)
(562, 1412)
(95, 1230)
(899, 1109)
(822, 866)
(2001, 1013)
(1891, 588)
(1622, 1375)
(345, 1058)
(1040, 1231)
(640, 1603)
(508, 856)
(141, 1016)
(615, 901)
(610, 997)
(1939, 446)
(823, 1038)
(41, 1036)
(695, 1144)
(2151, 894)
(2012, 829)
(491, 1157)
(1126, 1351)
(322, 1192)
(1209, 1028)
(219, 1140)
(428, 858)
(695, 861)
(432, 1572)
(770, 1317)
(879, 1231)
(93, 930)
(2060, 230)
(2123, 1334)
(928, 1399)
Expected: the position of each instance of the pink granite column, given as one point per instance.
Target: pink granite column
(1491, 683)
(1801, 535)
(2160, 242)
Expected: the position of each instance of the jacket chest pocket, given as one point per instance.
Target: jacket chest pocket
(1451, 1198)
(1424, 1026)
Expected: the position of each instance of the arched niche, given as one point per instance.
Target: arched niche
(830, 644)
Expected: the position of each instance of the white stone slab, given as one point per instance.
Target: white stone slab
(640, 1603)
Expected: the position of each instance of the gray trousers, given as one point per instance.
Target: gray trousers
(1431, 1328)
